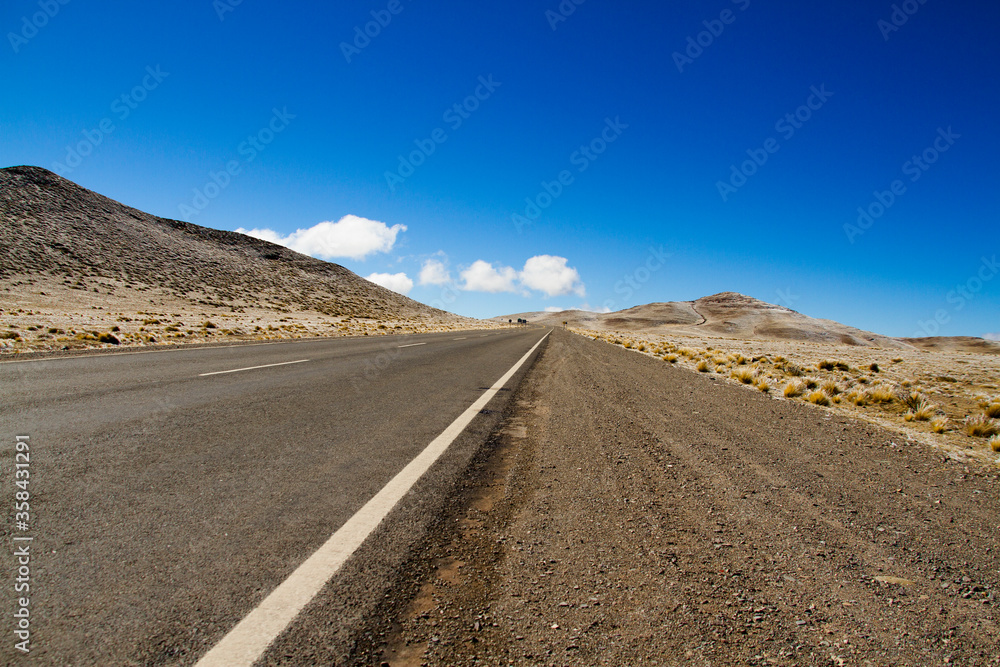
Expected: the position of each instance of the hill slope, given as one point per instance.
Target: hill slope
(725, 315)
(69, 249)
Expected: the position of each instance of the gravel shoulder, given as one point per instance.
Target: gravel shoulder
(631, 512)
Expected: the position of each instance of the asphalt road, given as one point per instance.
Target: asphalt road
(169, 494)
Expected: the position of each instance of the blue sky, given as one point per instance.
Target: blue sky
(600, 154)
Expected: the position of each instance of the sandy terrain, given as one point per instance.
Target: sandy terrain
(633, 512)
(954, 385)
(41, 314)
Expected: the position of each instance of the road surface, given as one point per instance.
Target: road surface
(172, 491)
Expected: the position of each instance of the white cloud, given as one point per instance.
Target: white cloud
(549, 274)
(350, 237)
(483, 277)
(397, 282)
(992, 336)
(554, 309)
(434, 272)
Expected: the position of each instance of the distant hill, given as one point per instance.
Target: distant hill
(725, 315)
(52, 227)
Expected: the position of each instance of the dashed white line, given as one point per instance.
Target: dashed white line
(253, 368)
(462, 338)
(411, 345)
(246, 642)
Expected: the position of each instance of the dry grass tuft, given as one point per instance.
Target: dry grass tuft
(882, 394)
(831, 388)
(671, 358)
(703, 366)
(762, 384)
(994, 443)
(992, 410)
(793, 389)
(744, 375)
(819, 398)
(939, 424)
(981, 426)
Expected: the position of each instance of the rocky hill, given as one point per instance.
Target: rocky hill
(70, 252)
(725, 315)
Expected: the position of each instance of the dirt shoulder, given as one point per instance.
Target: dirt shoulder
(636, 513)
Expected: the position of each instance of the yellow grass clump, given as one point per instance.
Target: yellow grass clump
(819, 398)
(992, 410)
(939, 424)
(671, 358)
(793, 389)
(981, 426)
(703, 366)
(882, 394)
(994, 443)
(744, 375)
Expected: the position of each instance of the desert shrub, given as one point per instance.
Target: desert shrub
(882, 394)
(641, 348)
(994, 443)
(793, 389)
(672, 358)
(981, 426)
(811, 383)
(762, 384)
(819, 398)
(859, 398)
(744, 375)
(992, 410)
(628, 345)
(831, 388)
(874, 368)
(154, 321)
(939, 424)
(793, 370)
(686, 352)
(108, 338)
(703, 366)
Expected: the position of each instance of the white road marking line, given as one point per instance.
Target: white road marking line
(253, 368)
(246, 642)
(411, 345)
(462, 338)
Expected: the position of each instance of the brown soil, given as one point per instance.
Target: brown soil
(637, 513)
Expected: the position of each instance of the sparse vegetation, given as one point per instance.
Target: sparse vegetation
(703, 366)
(882, 394)
(744, 375)
(939, 424)
(819, 398)
(994, 443)
(793, 389)
(981, 426)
